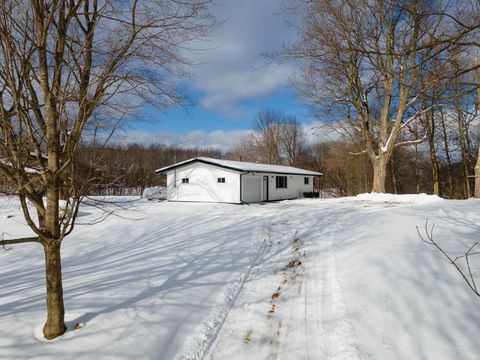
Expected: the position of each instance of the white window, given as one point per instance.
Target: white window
(221, 180)
(306, 180)
(185, 181)
(281, 182)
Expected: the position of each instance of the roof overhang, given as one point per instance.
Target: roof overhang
(164, 170)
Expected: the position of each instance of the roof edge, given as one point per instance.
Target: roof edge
(187, 162)
(202, 160)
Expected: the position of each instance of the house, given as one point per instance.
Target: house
(213, 180)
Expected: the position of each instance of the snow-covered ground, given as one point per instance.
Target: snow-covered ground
(340, 278)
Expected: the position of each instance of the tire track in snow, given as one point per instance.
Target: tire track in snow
(310, 318)
(203, 344)
(257, 337)
(327, 330)
(326, 310)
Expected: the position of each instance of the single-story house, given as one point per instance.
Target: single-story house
(212, 180)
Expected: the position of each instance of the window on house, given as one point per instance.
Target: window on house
(185, 181)
(281, 182)
(221, 180)
(306, 180)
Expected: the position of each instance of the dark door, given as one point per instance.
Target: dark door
(265, 188)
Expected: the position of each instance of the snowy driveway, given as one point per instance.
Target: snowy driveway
(306, 279)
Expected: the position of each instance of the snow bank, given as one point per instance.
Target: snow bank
(155, 192)
(404, 198)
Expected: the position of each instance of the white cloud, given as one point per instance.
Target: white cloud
(233, 70)
(225, 93)
(219, 139)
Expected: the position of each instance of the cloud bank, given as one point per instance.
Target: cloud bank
(219, 139)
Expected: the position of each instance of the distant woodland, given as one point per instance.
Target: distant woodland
(446, 159)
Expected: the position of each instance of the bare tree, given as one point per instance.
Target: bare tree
(292, 140)
(276, 138)
(267, 131)
(62, 64)
(364, 62)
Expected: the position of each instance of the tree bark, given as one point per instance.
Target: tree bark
(435, 177)
(447, 154)
(477, 175)
(379, 175)
(476, 78)
(55, 325)
(416, 171)
(393, 175)
(463, 147)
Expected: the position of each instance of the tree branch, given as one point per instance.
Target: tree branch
(467, 277)
(411, 142)
(19, 241)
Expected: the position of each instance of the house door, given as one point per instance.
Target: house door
(265, 188)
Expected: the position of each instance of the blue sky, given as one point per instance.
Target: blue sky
(231, 82)
(184, 119)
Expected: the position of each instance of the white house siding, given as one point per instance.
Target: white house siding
(203, 185)
(253, 189)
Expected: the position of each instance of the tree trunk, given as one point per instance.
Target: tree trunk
(477, 164)
(379, 175)
(463, 147)
(447, 155)
(394, 177)
(417, 172)
(435, 179)
(477, 175)
(434, 164)
(55, 325)
(430, 129)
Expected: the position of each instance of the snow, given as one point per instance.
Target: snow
(246, 166)
(344, 278)
(393, 198)
(155, 192)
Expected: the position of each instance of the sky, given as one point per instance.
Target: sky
(230, 82)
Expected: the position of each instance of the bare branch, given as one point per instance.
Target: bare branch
(428, 238)
(34, 239)
(411, 142)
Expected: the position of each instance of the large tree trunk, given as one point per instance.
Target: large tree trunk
(379, 175)
(55, 325)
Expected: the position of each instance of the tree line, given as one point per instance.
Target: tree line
(442, 163)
